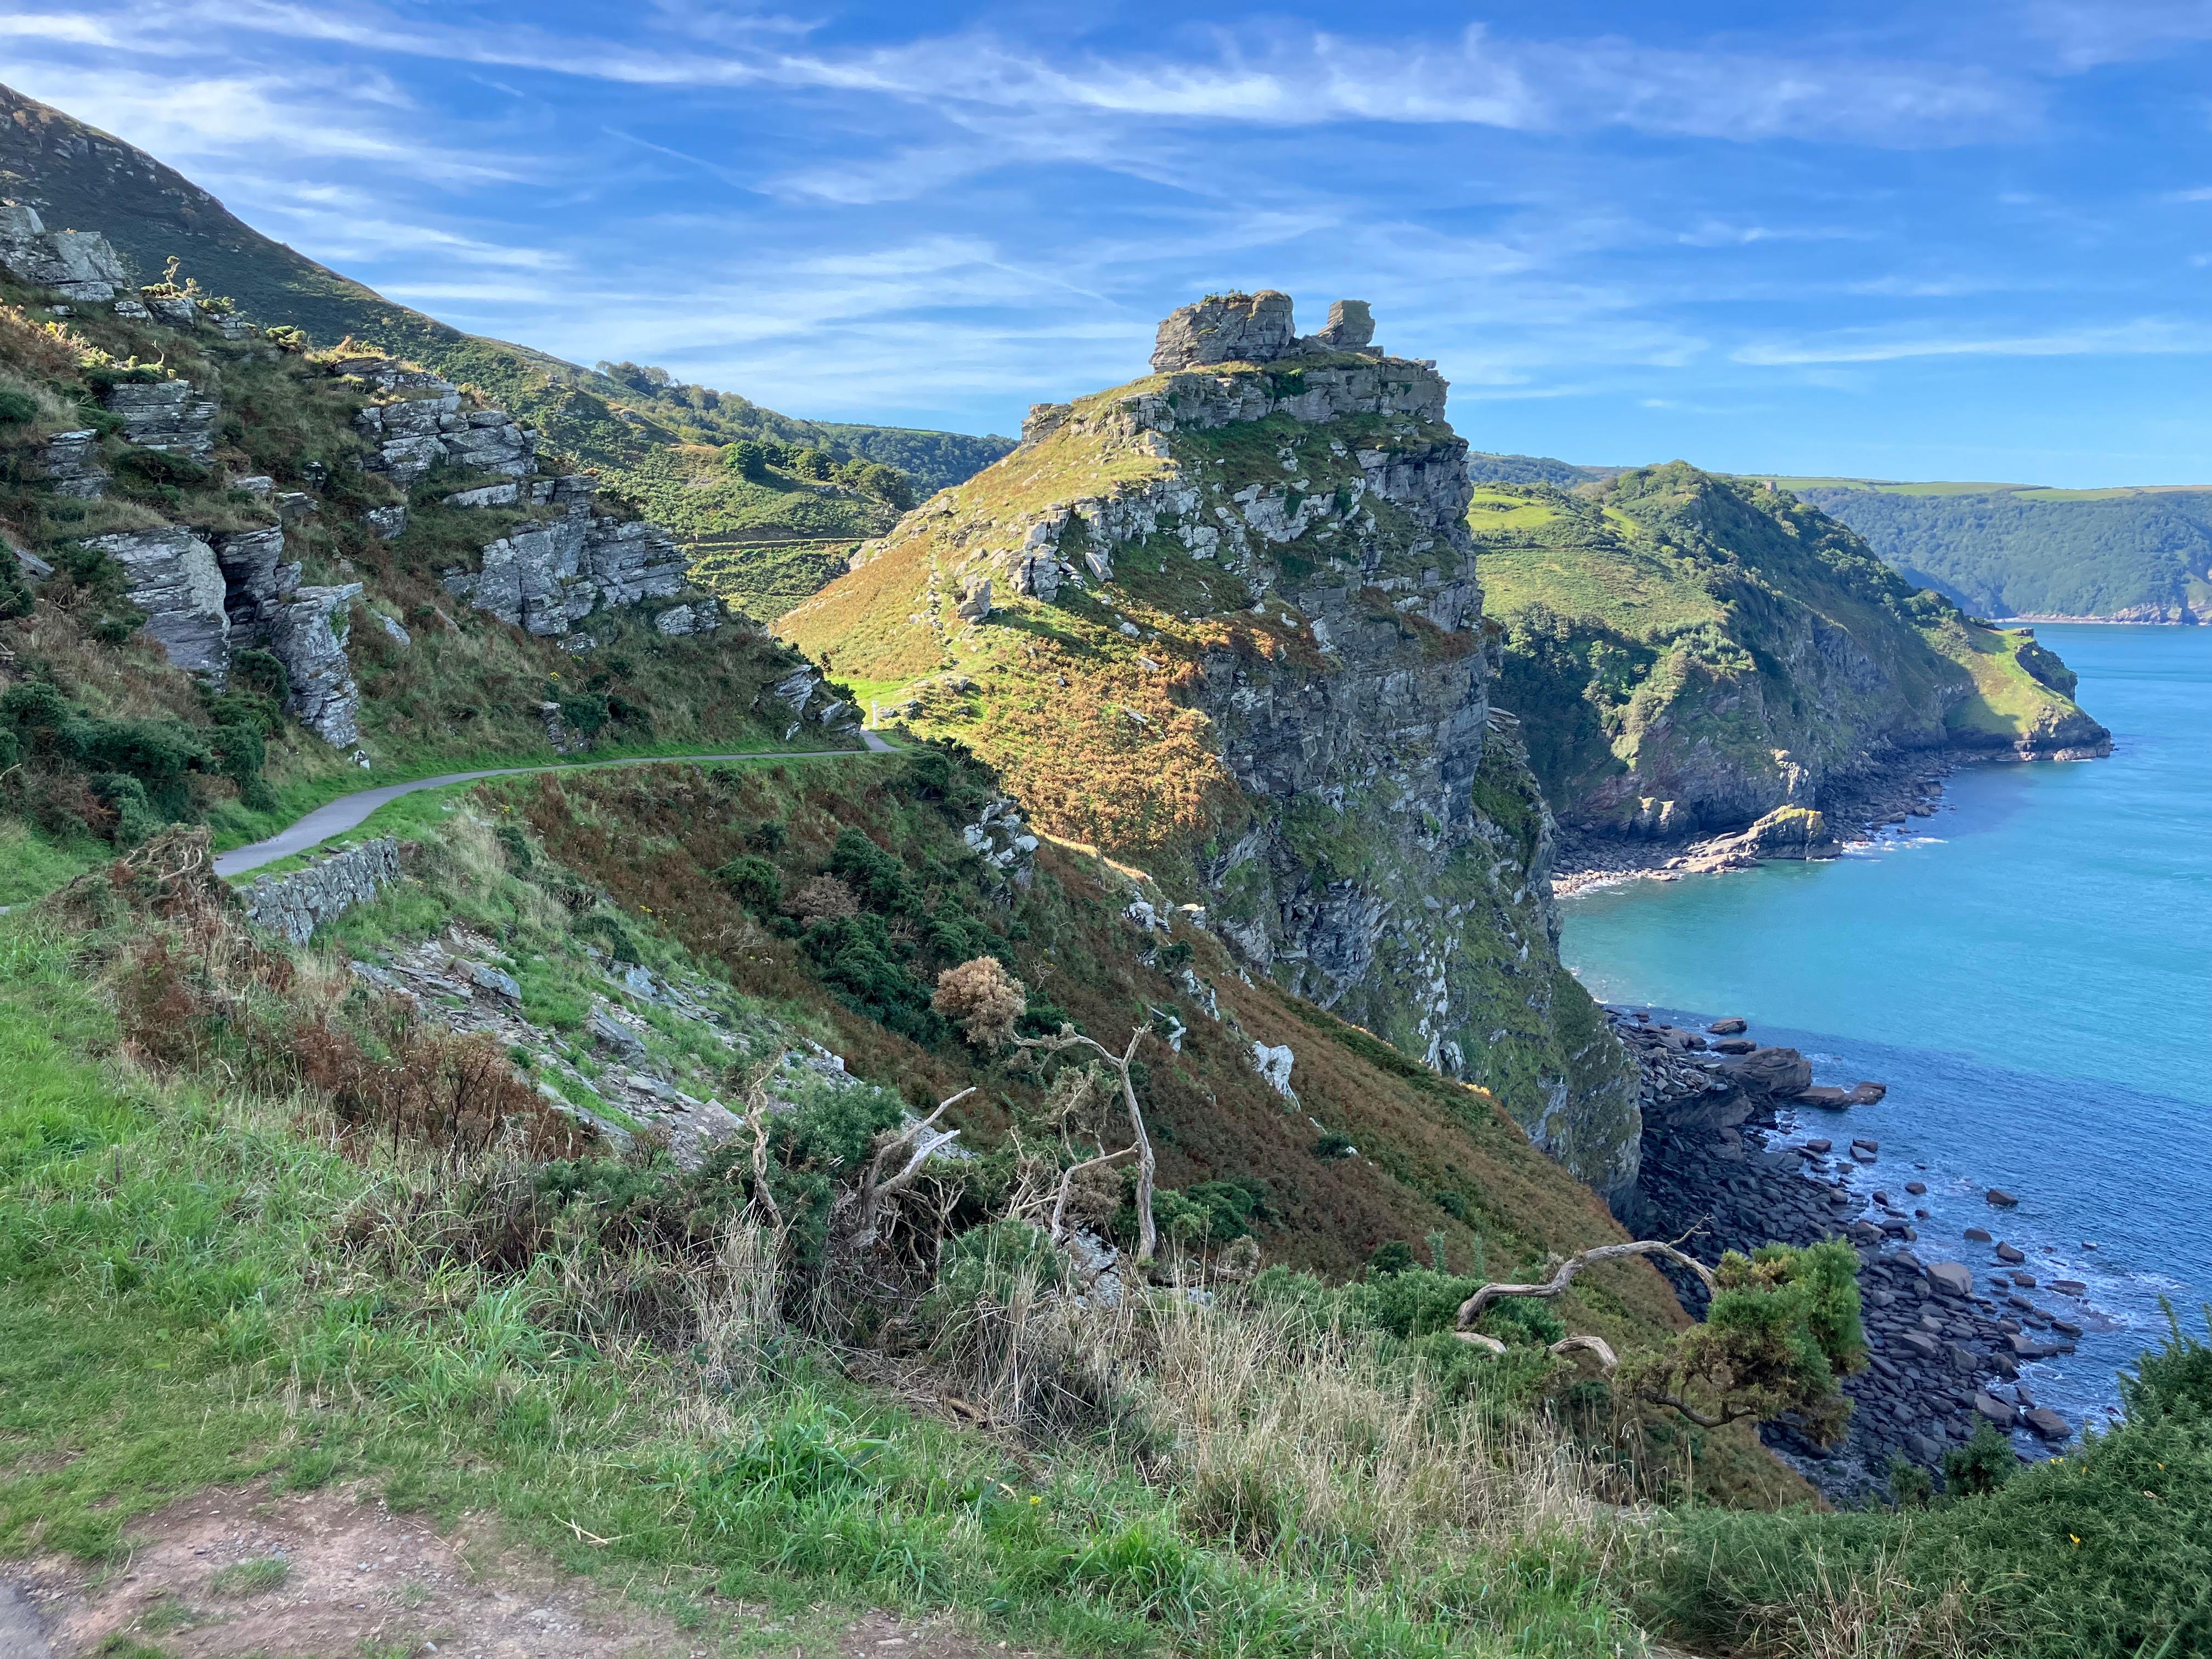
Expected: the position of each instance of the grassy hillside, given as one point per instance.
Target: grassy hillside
(1676, 637)
(104, 740)
(1998, 549)
(655, 440)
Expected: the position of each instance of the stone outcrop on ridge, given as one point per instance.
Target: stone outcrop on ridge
(1254, 328)
(1342, 690)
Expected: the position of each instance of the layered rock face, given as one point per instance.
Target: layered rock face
(202, 603)
(1271, 555)
(549, 578)
(168, 416)
(175, 579)
(414, 434)
(77, 265)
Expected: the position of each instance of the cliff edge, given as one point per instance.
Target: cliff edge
(1224, 621)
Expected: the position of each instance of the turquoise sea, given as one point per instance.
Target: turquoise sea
(2031, 973)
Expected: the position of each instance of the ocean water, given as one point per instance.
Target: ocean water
(2030, 971)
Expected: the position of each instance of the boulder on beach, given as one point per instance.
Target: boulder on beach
(2011, 1255)
(1951, 1277)
(1996, 1410)
(1916, 1187)
(1977, 1234)
(1825, 1094)
(1818, 1147)
(2071, 1286)
(1867, 1141)
(2048, 1424)
(1867, 1094)
(1778, 1073)
(1734, 1046)
(1730, 1027)
(2026, 1281)
(2001, 1198)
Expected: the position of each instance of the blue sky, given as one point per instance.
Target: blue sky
(1957, 240)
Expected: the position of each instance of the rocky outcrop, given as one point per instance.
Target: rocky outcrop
(414, 434)
(173, 577)
(1249, 328)
(1226, 328)
(548, 578)
(71, 461)
(77, 265)
(308, 635)
(304, 627)
(1385, 853)
(166, 415)
(294, 906)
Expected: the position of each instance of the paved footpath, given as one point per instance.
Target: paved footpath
(349, 812)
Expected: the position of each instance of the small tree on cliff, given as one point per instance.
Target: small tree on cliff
(1783, 1331)
(985, 1001)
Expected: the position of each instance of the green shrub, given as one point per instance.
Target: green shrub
(16, 407)
(1394, 1257)
(586, 713)
(1984, 1463)
(608, 933)
(768, 836)
(1334, 1143)
(753, 882)
(136, 819)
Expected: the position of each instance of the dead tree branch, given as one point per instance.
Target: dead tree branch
(1471, 1309)
(1058, 1230)
(860, 1228)
(1069, 1037)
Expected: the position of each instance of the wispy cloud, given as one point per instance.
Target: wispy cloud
(1281, 77)
(2148, 337)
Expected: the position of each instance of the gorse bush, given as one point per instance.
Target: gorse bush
(135, 774)
(2104, 1552)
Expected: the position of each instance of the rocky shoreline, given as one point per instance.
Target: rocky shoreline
(1725, 1161)
(1855, 812)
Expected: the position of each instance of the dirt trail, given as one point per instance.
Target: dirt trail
(334, 1575)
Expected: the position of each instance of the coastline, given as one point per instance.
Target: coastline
(1883, 798)
(1734, 1157)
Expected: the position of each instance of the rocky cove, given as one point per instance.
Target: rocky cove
(1857, 811)
(1739, 1149)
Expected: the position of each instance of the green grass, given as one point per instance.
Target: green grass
(34, 863)
(255, 1577)
(172, 1315)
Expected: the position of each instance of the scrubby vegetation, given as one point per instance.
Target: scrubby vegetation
(102, 743)
(212, 1264)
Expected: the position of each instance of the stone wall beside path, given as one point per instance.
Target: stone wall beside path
(294, 906)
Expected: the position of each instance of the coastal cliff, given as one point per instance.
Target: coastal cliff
(1689, 653)
(1224, 620)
